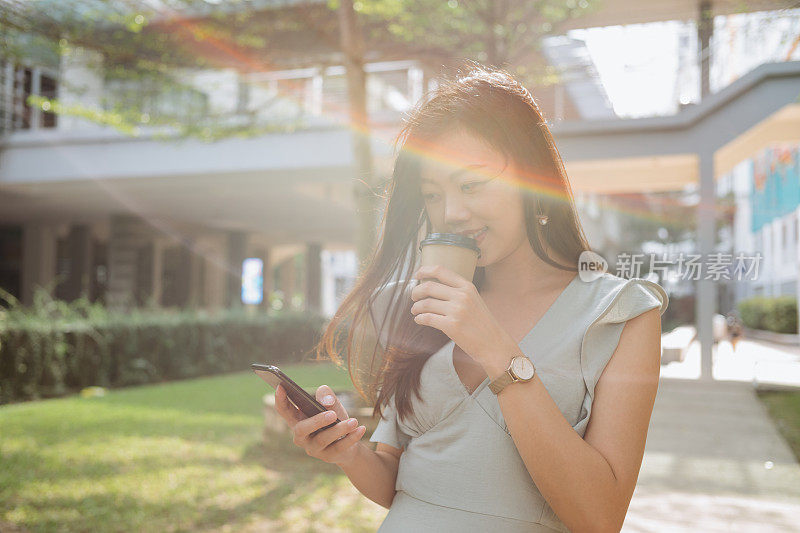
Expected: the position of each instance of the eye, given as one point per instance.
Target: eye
(429, 197)
(471, 186)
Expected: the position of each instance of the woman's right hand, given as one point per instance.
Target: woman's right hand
(337, 444)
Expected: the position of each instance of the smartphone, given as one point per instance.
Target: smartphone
(296, 394)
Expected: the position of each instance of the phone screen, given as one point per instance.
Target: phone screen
(296, 394)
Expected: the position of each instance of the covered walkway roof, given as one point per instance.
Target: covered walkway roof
(262, 177)
(622, 12)
(661, 153)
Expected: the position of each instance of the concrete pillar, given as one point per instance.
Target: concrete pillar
(290, 269)
(158, 270)
(268, 281)
(144, 279)
(313, 295)
(237, 250)
(177, 273)
(775, 257)
(195, 265)
(38, 259)
(797, 266)
(184, 257)
(129, 238)
(706, 290)
(215, 274)
(99, 271)
(79, 273)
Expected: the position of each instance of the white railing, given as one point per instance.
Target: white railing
(310, 96)
(392, 88)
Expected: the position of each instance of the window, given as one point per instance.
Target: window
(17, 84)
(23, 88)
(48, 90)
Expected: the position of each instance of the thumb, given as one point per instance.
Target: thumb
(328, 399)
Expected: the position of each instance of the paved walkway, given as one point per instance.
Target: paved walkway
(767, 364)
(714, 461)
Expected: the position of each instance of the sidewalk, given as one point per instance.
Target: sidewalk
(754, 361)
(714, 461)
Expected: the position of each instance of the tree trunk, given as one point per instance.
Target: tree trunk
(352, 42)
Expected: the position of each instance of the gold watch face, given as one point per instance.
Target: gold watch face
(522, 367)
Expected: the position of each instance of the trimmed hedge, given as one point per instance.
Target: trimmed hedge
(41, 358)
(773, 314)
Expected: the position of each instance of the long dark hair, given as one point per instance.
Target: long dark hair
(493, 106)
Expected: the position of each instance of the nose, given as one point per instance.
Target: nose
(455, 212)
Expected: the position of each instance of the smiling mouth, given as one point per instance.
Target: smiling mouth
(476, 234)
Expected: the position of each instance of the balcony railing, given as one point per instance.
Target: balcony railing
(392, 88)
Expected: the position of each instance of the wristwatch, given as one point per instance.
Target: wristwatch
(520, 369)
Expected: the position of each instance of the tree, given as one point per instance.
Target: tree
(144, 46)
(500, 33)
(352, 42)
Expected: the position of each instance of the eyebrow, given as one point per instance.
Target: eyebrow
(456, 173)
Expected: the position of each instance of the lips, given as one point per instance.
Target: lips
(481, 234)
(474, 233)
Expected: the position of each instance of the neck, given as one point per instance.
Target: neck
(522, 272)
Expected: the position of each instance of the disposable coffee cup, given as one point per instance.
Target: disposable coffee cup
(455, 252)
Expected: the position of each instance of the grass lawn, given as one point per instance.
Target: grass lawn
(183, 456)
(784, 408)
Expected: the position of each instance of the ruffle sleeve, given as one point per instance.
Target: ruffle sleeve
(632, 298)
(388, 430)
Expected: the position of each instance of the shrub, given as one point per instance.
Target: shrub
(781, 315)
(55, 348)
(774, 314)
(753, 311)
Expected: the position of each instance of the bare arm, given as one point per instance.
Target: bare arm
(589, 481)
(374, 473)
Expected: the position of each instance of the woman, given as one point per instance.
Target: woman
(735, 329)
(560, 451)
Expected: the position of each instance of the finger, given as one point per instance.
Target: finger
(324, 438)
(431, 289)
(285, 409)
(443, 274)
(433, 320)
(328, 399)
(305, 427)
(341, 445)
(431, 305)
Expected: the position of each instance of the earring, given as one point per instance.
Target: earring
(543, 219)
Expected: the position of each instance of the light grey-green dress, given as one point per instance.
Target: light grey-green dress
(460, 470)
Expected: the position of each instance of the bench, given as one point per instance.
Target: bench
(675, 344)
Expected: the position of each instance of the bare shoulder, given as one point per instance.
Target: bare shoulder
(638, 353)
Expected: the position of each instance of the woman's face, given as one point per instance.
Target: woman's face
(468, 186)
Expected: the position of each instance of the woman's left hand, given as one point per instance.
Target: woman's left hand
(453, 305)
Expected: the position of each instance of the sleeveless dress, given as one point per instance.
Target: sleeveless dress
(460, 470)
